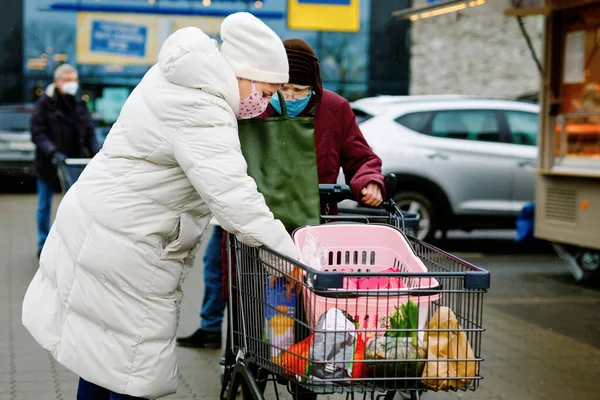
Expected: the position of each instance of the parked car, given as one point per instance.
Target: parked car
(16, 149)
(462, 162)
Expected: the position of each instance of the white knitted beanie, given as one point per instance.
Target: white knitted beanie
(253, 50)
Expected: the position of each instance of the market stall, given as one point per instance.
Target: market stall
(568, 180)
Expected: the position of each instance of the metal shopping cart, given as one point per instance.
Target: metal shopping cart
(69, 172)
(371, 307)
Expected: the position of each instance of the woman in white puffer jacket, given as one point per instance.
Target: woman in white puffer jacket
(105, 300)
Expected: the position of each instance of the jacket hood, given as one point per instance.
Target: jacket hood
(192, 59)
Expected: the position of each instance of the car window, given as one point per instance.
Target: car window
(523, 127)
(478, 125)
(361, 116)
(414, 121)
(15, 121)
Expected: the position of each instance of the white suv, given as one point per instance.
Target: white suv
(462, 162)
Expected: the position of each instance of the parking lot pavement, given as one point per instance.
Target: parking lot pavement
(542, 339)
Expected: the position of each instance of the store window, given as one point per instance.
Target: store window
(105, 103)
(577, 126)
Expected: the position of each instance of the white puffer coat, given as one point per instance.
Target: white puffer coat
(105, 300)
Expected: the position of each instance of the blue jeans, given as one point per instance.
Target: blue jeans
(45, 191)
(88, 391)
(213, 306)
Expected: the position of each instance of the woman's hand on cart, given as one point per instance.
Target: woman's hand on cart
(372, 195)
(294, 281)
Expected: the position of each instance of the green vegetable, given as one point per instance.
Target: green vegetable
(405, 318)
(399, 344)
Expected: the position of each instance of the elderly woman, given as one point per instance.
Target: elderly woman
(105, 300)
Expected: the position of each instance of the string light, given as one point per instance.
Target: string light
(446, 10)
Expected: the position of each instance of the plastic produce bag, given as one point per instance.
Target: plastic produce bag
(331, 348)
(334, 348)
(314, 254)
(401, 351)
(400, 347)
(443, 347)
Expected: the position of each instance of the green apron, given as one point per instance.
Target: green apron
(281, 157)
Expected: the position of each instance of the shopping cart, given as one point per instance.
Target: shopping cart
(344, 331)
(69, 171)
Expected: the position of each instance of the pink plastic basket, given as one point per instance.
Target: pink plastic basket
(364, 248)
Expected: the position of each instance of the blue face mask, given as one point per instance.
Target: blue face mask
(294, 107)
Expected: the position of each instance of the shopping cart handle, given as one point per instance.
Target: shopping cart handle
(390, 186)
(78, 161)
(334, 193)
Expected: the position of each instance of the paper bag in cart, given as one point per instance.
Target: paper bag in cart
(445, 347)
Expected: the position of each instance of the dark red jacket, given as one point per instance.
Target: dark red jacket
(339, 143)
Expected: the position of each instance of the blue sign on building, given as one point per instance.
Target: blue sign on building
(118, 38)
(326, 2)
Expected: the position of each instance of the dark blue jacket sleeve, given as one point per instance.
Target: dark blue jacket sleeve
(39, 128)
(91, 142)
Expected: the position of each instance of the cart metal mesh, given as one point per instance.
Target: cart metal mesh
(408, 222)
(363, 352)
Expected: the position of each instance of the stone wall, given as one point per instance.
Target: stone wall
(477, 51)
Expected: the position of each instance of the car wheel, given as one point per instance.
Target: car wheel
(584, 264)
(416, 202)
(589, 261)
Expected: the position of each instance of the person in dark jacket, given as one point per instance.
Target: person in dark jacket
(61, 128)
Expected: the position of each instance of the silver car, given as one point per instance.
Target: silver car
(16, 149)
(462, 162)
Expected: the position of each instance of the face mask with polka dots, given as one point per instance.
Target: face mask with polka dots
(253, 105)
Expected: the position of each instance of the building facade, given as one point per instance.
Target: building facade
(114, 42)
(477, 51)
(11, 65)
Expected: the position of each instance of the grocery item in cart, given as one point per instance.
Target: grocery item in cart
(334, 347)
(447, 342)
(399, 348)
(314, 254)
(329, 354)
(375, 283)
(279, 315)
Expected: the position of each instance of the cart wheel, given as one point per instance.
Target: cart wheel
(415, 395)
(403, 395)
(583, 263)
(589, 261)
(386, 396)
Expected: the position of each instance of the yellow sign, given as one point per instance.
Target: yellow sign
(324, 15)
(130, 39)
